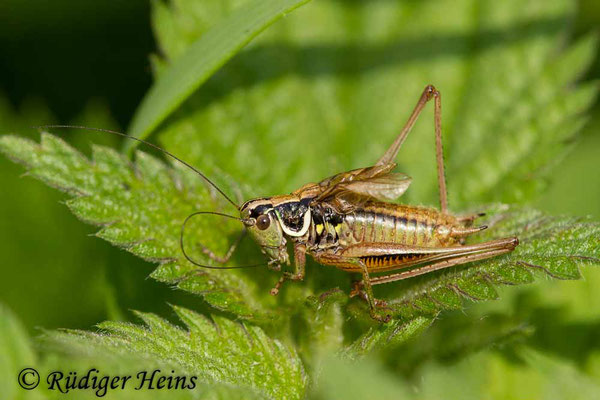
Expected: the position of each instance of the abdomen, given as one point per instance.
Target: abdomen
(394, 223)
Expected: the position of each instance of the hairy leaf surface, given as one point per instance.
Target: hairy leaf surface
(141, 207)
(220, 353)
(108, 188)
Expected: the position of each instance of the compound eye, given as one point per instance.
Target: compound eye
(263, 222)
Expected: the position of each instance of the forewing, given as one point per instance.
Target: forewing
(386, 187)
(336, 183)
(348, 190)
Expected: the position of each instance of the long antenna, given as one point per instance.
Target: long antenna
(203, 265)
(147, 144)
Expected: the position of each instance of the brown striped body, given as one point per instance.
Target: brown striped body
(395, 223)
(375, 224)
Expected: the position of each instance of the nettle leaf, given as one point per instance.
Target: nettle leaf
(393, 334)
(109, 188)
(300, 104)
(457, 336)
(556, 246)
(141, 207)
(222, 354)
(553, 246)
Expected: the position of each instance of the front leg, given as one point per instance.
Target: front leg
(298, 274)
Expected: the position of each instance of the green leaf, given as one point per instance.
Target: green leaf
(203, 58)
(459, 335)
(557, 246)
(141, 207)
(30, 217)
(529, 138)
(323, 334)
(155, 200)
(219, 352)
(553, 245)
(302, 104)
(16, 355)
(324, 91)
(389, 335)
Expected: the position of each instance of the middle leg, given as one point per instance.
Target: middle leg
(377, 308)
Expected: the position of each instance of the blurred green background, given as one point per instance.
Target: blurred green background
(88, 62)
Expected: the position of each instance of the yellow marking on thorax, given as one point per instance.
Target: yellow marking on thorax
(319, 229)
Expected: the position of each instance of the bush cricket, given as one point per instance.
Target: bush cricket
(350, 222)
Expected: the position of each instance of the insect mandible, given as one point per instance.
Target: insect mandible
(349, 221)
